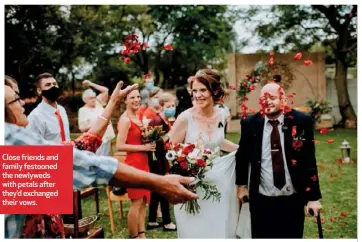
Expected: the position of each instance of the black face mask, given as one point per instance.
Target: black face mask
(51, 94)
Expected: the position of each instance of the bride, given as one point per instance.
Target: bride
(215, 219)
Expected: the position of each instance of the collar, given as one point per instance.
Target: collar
(47, 108)
(280, 119)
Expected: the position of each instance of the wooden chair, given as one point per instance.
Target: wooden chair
(93, 232)
(120, 156)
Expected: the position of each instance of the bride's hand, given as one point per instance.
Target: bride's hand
(242, 192)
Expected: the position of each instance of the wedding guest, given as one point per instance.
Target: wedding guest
(129, 139)
(103, 170)
(91, 111)
(49, 119)
(184, 100)
(160, 166)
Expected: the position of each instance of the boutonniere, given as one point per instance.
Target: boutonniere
(297, 139)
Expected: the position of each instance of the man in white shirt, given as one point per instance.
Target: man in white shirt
(49, 119)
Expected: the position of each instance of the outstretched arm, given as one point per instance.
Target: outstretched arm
(100, 126)
(228, 146)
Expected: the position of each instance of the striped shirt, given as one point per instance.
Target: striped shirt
(88, 170)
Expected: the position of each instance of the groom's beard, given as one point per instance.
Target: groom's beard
(274, 115)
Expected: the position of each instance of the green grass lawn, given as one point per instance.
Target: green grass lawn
(338, 184)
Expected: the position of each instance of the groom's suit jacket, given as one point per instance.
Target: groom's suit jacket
(301, 161)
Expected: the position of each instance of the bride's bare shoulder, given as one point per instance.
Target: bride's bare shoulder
(185, 114)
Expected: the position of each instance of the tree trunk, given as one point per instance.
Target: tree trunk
(345, 107)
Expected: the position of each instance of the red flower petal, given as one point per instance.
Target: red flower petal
(308, 62)
(125, 51)
(245, 99)
(344, 214)
(350, 15)
(294, 162)
(307, 189)
(146, 76)
(168, 47)
(294, 130)
(271, 61)
(339, 160)
(252, 87)
(232, 87)
(298, 56)
(330, 141)
(146, 45)
(314, 178)
(332, 219)
(323, 131)
(127, 60)
(316, 142)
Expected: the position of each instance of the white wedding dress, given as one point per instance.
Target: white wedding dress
(215, 219)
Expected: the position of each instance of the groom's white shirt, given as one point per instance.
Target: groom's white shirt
(266, 186)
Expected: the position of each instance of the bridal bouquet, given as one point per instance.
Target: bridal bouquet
(193, 160)
(151, 134)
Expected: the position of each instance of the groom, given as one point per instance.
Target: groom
(283, 177)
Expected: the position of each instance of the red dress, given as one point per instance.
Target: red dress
(138, 160)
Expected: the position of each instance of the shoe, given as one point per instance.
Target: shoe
(169, 227)
(153, 226)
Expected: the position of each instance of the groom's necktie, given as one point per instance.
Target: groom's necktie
(277, 156)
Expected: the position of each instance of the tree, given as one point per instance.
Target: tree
(300, 27)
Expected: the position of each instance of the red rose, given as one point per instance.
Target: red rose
(181, 159)
(188, 149)
(125, 51)
(297, 144)
(167, 146)
(183, 165)
(294, 130)
(201, 163)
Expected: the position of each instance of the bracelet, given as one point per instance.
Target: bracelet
(101, 117)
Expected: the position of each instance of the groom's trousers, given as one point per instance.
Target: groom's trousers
(277, 217)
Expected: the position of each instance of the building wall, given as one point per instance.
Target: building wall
(305, 81)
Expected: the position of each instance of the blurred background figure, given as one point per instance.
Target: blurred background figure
(153, 105)
(184, 100)
(160, 166)
(92, 110)
(221, 105)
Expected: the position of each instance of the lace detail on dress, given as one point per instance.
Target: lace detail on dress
(195, 133)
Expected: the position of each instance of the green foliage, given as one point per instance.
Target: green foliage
(66, 40)
(318, 108)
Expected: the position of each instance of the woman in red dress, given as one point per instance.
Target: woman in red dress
(129, 139)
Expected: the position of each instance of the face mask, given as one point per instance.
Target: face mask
(150, 85)
(170, 112)
(155, 102)
(51, 94)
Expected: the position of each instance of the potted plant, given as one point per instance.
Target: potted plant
(321, 112)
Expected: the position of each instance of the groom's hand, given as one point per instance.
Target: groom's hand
(242, 192)
(315, 206)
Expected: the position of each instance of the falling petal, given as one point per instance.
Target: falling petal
(316, 142)
(324, 131)
(344, 214)
(127, 60)
(298, 56)
(308, 62)
(168, 47)
(330, 141)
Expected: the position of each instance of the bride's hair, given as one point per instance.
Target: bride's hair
(212, 82)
